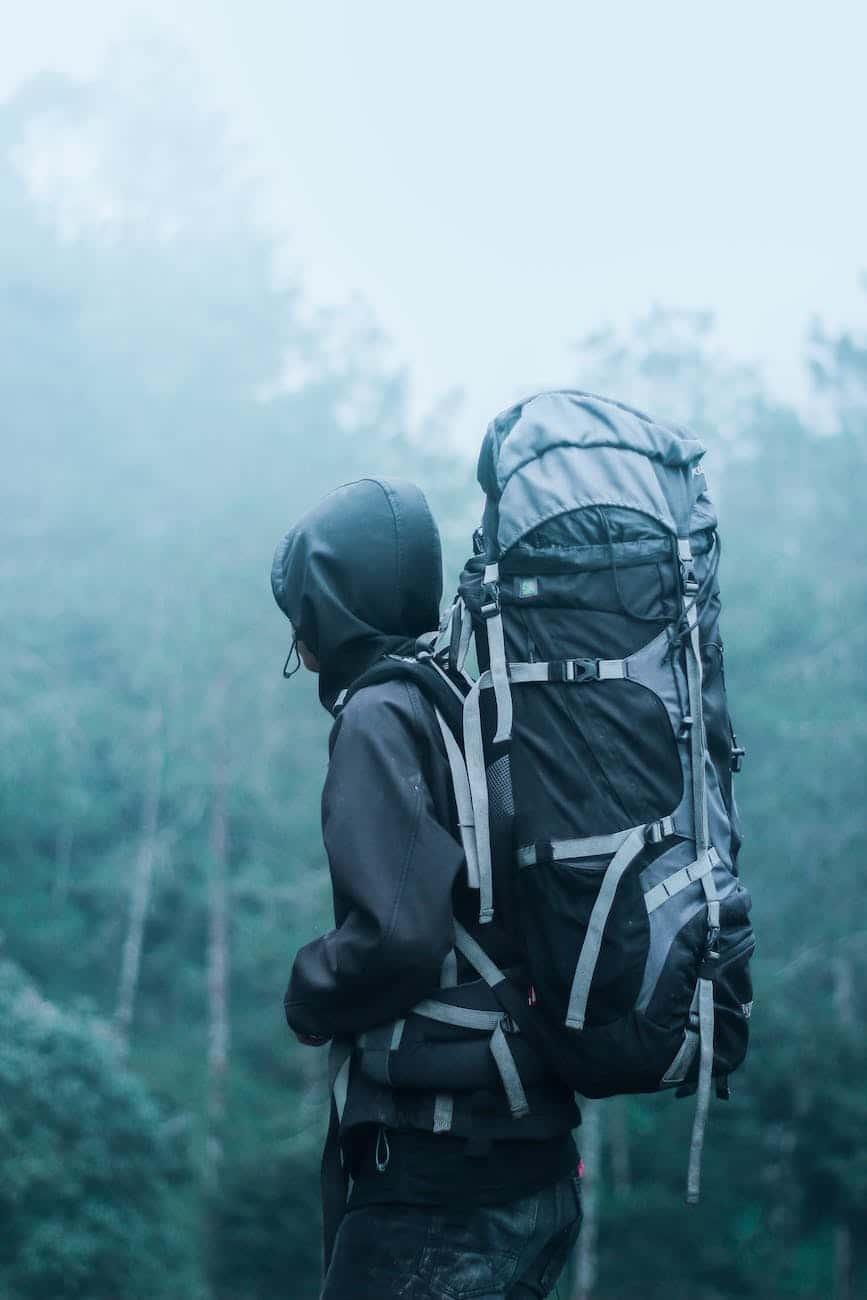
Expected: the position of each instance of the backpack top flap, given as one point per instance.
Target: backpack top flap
(559, 451)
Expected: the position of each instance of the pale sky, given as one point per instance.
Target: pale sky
(497, 178)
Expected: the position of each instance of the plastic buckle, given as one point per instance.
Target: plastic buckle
(688, 580)
(584, 670)
(737, 757)
(491, 607)
(685, 727)
(655, 833)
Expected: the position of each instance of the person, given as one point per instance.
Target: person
(489, 1207)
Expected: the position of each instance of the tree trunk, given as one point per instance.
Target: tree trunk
(586, 1258)
(218, 948)
(142, 878)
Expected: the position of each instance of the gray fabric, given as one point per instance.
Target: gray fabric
(340, 1060)
(449, 1014)
(444, 1102)
(578, 419)
(590, 846)
(463, 800)
(508, 1072)
(569, 478)
(397, 1034)
(498, 666)
(702, 1101)
(679, 1068)
(444, 1109)
(449, 973)
(525, 674)
(698, 746)
(611, 668)
(466, 636)
(666, 922)
(680, 880)
(477, 957)
(589, 955)
(474, 754)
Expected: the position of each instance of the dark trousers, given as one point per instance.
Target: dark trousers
(495, 1252)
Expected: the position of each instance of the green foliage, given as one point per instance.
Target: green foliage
(172, 405)
(91, 1184)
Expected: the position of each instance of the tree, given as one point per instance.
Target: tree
(89, 1175)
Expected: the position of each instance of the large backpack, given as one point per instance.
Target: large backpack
(594, 775)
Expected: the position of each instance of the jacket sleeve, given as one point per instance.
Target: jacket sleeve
(393, 864)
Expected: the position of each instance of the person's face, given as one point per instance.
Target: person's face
(308, 658)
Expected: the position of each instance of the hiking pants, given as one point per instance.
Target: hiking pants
(495, 1252)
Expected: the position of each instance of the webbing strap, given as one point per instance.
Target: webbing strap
(444, 1110)
(702, 1103)
(680, 880)
(508, 1072)
(590, 846)
(474, 754)
(396, 1035)
(677, 1071)
(449, 1014)
(589, 955)
(477, 957)
(566, 670)
(463, 800)
(499, 667)
(698, 741)
(466, 636)
(340, 1059)
(449, 970)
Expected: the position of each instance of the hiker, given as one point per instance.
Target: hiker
(437, 1182)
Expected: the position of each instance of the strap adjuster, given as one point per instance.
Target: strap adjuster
(491, 607)
(737, 757)
(573, 670)
(656, 832)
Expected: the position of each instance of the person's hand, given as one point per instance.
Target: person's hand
(311, 1040)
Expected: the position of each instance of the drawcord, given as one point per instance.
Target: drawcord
(382, 1154)
(293, 650)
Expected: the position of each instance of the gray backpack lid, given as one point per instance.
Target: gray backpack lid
(535, 453)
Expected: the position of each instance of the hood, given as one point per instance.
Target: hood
(360, 576)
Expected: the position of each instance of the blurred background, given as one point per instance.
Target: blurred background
(249, 253)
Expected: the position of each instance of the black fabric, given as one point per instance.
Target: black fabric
(360, 576)
(514, 1251)
(398, 876)
(436, 1169)
(394, 863)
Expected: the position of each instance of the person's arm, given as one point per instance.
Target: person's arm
(393, 865)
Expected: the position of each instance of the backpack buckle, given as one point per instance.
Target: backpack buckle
(737, 757)
(685, 727)
(688, 580)
(582, 670)
(491, 607)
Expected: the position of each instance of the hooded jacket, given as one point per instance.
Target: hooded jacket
(360, 577)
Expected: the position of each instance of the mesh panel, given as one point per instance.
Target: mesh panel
(501, 801)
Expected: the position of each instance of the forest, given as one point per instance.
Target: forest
(170, 403)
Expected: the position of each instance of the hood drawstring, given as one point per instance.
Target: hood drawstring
(293, 650)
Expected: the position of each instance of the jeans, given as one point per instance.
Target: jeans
(495, 1252)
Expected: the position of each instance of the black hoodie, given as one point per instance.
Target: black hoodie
(359, 577)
